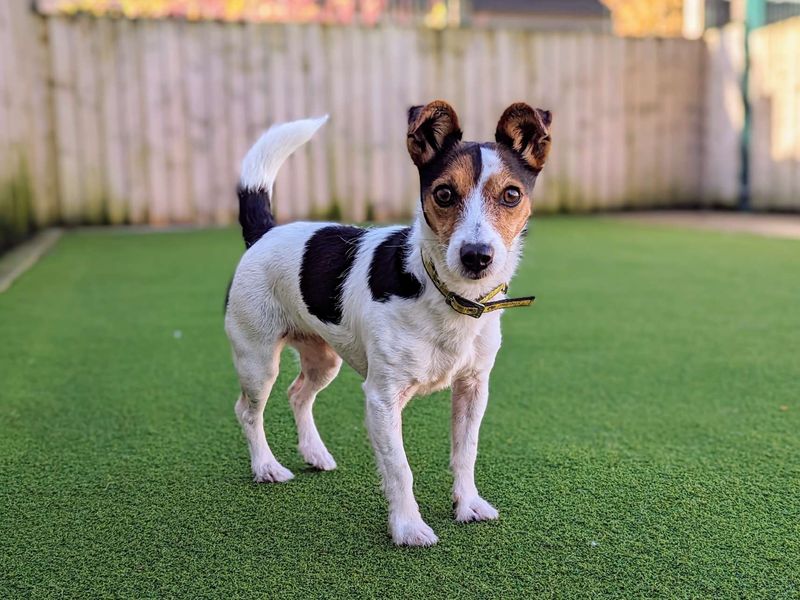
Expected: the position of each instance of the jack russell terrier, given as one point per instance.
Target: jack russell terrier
(412, 309)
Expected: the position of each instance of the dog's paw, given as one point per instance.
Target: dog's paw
(271, 472)
(475, 509)
(413, 533)
(318, 457)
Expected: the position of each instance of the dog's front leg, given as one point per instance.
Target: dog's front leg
(470, 396)
(384, 422)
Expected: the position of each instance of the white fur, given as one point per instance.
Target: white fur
(402, 347)
(261, 163)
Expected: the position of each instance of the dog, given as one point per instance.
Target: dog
(412, 309)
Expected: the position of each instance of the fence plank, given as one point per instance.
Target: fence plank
(414, 95)
(176, 127)
(134, 122)
(115, 160)
(787, 119)
(693, 123)
(156, 114)
(394, 122)
(224, 173)
(570, 64)
(376, 158)
(318, 106)
(236, 108)
(90, 140)
(198, 126)
(14, 218)
(759, 127)
(588, 109)
(280, 101)
(6, 78)
(724, 113)
(298, 195)
(39, 143)
(70, 171)
(794, 52)
(357, 151)
(338, 130)
(603, 147)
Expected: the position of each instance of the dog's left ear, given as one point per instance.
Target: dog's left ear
(526, 132)
(432, 129)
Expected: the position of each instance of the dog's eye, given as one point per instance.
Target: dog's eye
(511, 196)
(444, 195)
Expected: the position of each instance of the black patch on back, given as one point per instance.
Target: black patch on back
(327, 259)
(387, 274)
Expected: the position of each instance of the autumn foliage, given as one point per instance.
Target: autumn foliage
(332, 11)
(662, 18)
(630, 17)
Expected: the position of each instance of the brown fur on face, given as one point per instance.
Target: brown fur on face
(508, 221)
(460, 174)
(522, 144)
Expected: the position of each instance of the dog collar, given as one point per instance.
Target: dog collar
(474, 308)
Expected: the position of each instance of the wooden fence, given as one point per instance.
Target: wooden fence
(28, 185)
(116, 121)
(775, 102)
(724, 116)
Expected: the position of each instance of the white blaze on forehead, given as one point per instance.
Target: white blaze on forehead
(490, 165)
(475, 218)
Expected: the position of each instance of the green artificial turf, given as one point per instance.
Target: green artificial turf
(642, 437)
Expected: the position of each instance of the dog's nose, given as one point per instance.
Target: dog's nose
(476, 257)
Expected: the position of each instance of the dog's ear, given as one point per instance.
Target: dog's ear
(526, 132)
(432, 129)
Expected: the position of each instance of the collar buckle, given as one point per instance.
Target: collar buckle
(465, 306)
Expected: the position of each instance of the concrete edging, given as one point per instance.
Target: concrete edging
(21, 258)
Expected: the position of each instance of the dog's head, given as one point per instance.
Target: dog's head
(477, 197)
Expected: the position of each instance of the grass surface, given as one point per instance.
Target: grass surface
(642, 437)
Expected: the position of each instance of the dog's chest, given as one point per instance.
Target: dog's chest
(440, 360)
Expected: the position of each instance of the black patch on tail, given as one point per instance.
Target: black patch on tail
(255, 214)
(387, 272)
(327, 259)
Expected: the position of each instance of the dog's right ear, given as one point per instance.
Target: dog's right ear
(432, 129)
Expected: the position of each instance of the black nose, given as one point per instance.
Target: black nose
(476, 257)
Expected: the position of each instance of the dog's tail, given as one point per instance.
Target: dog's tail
(259, 169)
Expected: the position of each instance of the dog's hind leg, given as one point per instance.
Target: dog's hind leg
(319, 366)
(257, 365)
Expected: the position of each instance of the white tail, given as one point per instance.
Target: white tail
(261, 163)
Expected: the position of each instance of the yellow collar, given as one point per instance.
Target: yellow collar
(474, 308)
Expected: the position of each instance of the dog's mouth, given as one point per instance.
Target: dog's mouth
(474, 275)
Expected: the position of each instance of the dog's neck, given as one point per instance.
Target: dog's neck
(423, 242)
